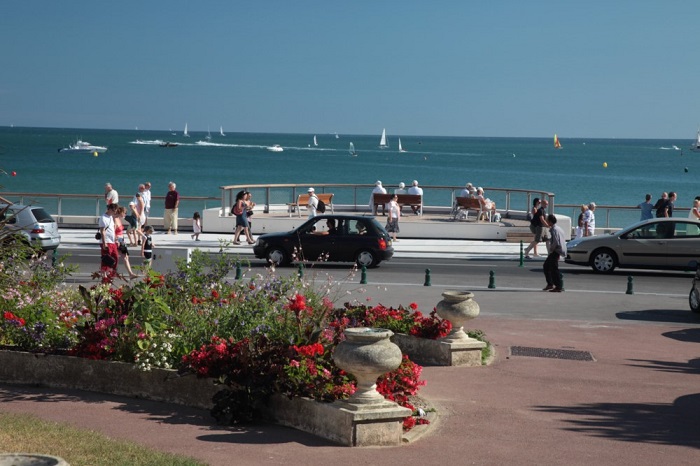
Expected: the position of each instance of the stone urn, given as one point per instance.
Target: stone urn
(367, 353)
(458, 307)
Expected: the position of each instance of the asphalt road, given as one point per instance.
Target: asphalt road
(589, 296)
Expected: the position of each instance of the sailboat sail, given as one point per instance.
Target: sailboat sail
(382, 141)
(315, 142)
(352, 150)
(221, 130)
(696, 144)
(557, 144)
(208, 136)
(401, 149)
(185, 133)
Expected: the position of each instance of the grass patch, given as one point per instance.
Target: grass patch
(21, 433)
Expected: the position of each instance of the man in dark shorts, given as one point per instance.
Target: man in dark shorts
(538, 227)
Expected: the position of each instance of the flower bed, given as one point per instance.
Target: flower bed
(258, 336)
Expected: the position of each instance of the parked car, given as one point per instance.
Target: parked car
(34, 225)
(660, 243)
(335, 238)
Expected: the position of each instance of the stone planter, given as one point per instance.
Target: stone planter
(367, 353)
(429, 352)
(374, 424)
(458, 307)
(116, 378)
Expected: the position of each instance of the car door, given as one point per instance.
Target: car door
(684, 246)
(646, 246)
(317, 242)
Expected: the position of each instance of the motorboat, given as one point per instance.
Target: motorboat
(168, 144)
(275, 148)
(83, 146)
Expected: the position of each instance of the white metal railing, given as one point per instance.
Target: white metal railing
(357, 196)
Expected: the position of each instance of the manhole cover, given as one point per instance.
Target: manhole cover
(551, 353)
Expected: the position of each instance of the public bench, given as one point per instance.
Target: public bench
(465, 204)
(413, 200)
(303, 201)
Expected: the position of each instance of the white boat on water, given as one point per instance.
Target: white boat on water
(352, 150)
(382, 142)
(275, 148)
(81, 146)
(221, 130)
(315, 142)
(696, 144)
(185, 133)
(401, 149)
(208, 136)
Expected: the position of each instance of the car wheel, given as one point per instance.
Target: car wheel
(277, 256)
(366, 258)
(603, 260)
(694, 300)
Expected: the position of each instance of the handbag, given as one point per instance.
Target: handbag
(98, 235)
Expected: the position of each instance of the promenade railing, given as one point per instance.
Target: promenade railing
(611, 216)
(357, 196)
(93, 205)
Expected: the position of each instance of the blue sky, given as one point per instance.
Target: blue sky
(623, 68)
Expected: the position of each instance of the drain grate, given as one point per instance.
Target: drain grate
(551, 353)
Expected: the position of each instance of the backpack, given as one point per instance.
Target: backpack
(321, 207)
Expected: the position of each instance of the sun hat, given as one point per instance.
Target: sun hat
(402, 185)
(378, 183)
(311, 190)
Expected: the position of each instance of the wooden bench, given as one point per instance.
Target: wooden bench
(413, 200)
(303, 201)
(466, 204)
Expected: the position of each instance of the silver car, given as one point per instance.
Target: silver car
(660, 243)
(33, 223)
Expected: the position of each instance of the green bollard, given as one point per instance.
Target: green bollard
(522, 255)
(630, 285)
(427, 278)
(300, 271)
(239, 272)
(363, 276)
(492, 279)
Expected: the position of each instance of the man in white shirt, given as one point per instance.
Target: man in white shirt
(589, 220)
(108, 244)
(378, 189)
(111, 194)
(414, 189)
(312, 205)
(147, 198)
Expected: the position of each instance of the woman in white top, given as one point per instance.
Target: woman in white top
(694, 212)
(392, 223)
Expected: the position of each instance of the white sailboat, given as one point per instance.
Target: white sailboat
(221, 130)
(401, 149)
(185, 133)
(352, 150)
(208, 136)
(315, 142)
(696, 144)
(382, 141)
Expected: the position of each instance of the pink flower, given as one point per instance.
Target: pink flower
(294, 363)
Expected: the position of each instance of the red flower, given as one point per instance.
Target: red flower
(214, 294)
(413, 306)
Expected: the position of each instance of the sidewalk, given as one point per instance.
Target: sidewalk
(636, 403)
(412, 248)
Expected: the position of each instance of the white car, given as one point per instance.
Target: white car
(33, 223)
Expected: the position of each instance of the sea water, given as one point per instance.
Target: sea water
(606, 171)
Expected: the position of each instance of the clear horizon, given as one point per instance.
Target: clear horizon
(597, 69)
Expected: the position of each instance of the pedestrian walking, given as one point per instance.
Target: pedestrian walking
(557, 250)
